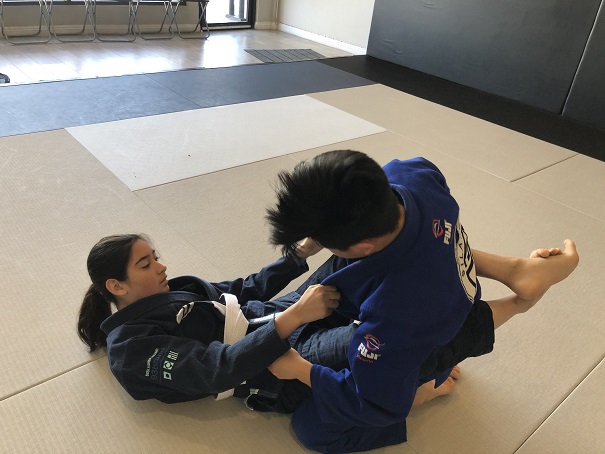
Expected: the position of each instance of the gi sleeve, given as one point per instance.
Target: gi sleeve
(379, 387)
(173, 369)
(267, 283)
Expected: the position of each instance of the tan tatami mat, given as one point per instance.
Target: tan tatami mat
(198, 183)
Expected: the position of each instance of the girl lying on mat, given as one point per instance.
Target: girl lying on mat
(169, 338)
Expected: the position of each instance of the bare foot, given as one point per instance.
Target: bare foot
(544, 267)
(544, 253)
(428, 392)
(448, 386)
(455, 373)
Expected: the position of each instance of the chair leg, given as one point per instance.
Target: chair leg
(43, 18)
(202, 24)
(151, 35)
(128, 37)
(88, 19)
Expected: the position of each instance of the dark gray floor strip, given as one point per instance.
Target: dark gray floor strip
(217, 87)
(55, 105)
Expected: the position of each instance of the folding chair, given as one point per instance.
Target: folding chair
(202, 24)
(130, 35)
(167, 11)
(43, 17)
(88, 19)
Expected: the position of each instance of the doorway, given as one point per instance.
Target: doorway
(229, 13)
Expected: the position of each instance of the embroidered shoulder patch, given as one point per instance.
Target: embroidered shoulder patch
(368, 350)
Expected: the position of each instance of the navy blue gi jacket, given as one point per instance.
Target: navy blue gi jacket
(169, 346)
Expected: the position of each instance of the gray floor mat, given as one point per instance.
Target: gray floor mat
(283, 55)
(54, 105)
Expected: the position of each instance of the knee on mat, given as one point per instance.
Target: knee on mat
(306, 432)
(310, 430)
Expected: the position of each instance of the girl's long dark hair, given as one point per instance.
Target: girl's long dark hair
(108, 259)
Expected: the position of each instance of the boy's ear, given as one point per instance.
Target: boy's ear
(115, 287)
(364, 248)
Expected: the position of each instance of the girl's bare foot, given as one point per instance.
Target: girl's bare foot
(533, 276)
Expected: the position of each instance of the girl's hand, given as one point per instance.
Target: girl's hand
(307, 247)
(316, 303)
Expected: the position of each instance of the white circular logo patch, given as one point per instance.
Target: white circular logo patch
(466, 264)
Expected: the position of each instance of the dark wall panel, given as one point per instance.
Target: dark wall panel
(523, 50)
(587, 97)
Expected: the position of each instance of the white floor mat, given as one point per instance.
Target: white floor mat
(150, 151)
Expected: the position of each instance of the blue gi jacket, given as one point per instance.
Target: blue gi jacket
(169, 346)
(411, 298)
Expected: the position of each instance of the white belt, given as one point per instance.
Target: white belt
(236, 326)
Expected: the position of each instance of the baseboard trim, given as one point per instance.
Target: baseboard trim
(355, 50)
(265, 26)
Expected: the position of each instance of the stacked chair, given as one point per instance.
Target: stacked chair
(45, 29)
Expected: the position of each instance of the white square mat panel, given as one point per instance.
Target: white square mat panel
(149, 151)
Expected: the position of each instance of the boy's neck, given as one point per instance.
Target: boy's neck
(383, 241)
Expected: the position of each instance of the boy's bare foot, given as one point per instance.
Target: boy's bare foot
(544, 253)
(455, 373)
(448, 386)
(544, 267)
(428, 392)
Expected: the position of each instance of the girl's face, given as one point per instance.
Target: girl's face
(146, 275)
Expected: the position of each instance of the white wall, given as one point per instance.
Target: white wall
(344, 24)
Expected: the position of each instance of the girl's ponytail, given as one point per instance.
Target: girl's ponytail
(95, 308)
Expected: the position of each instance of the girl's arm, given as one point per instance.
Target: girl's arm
(273, 278)
(173, 369)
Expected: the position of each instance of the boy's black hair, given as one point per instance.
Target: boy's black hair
(338, 198)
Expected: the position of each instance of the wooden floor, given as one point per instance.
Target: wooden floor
(53, 61)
